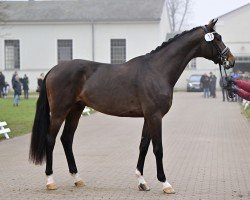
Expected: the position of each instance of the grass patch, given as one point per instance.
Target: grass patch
(19, 119)
(246, 112)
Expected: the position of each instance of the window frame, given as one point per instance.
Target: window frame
(67, 44)
(12, 58)
(118, 48)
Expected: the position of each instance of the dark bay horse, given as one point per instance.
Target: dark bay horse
(141, 87)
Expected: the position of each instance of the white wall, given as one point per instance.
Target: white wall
(140, 39)
(38, 43)
(235, 26)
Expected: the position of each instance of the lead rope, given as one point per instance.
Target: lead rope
(231, 96)
(225, 72)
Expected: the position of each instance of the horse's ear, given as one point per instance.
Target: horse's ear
(212, 24)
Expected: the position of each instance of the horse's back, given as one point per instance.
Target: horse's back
(112, 89)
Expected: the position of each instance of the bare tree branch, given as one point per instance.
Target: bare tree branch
(177, 11)
(186, 7)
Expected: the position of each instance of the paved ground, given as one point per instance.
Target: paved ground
(206, 156)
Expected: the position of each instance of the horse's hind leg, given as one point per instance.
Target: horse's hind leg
(67, 137)
(145, 141)
(55, 124)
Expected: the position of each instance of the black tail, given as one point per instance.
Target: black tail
(40, 128)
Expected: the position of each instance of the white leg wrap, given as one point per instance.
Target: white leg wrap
(166, 184)
(76, 177)
(50, 180)
(140, 178)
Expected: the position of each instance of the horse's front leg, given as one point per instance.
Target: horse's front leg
(155, 130)
(145, 141)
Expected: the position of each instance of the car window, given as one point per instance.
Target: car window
(195, 78)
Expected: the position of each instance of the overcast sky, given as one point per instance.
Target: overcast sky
(204, 10)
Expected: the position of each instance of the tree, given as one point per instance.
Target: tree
(178, 11)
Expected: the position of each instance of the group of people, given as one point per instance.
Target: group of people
(238, 84)
(209, 85)
(18, 84)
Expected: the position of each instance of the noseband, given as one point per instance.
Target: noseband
(222, 54)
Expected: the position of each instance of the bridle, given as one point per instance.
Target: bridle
(222, 54)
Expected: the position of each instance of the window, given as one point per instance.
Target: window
(192, 64)
(64, 50)
(242, 59)
(118, 51)
(12, 54)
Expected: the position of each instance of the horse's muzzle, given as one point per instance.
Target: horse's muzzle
(230, 61)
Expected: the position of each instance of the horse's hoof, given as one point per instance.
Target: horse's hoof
(169, 190)
(51, 186)
(143, 187)
(79, 183)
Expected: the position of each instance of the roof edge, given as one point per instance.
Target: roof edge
(248, 4)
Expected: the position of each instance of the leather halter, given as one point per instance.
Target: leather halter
(222, 53)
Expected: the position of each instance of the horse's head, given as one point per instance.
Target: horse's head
(213, 47)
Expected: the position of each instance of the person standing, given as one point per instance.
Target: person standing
(6, 90)
(25, 82)
(17, 90)
(13, 78)
(2, 83)
(40, 82)
(212, 85)
(205, 83)
(223, 83)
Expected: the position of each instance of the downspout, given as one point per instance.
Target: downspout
(93, 40)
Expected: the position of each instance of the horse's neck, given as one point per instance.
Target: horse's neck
(172, 60)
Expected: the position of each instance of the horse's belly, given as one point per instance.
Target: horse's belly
(117, 105)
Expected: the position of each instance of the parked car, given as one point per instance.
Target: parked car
(194, 83)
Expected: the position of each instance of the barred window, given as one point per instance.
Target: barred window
(12, 54)
(118, 51)
(64, 50)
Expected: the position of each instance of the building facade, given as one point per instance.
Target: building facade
(37, 35)
(234, 28)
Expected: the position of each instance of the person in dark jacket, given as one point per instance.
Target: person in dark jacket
(40, 82)
(13, 78)
(223, 83)
(17, 90)
(205, 83)
(2, 83)
(212, 85)
(25, 82)
(6, 90)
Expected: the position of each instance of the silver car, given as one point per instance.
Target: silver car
(194, 84)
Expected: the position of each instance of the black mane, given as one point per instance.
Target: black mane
(172, 39)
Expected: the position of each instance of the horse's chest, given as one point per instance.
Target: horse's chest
(164, 103)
